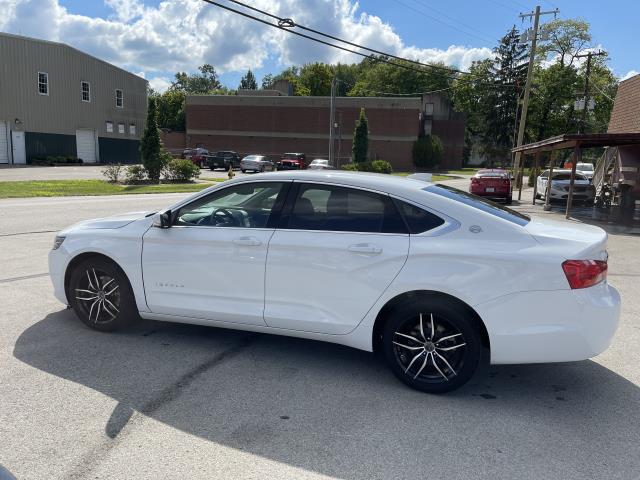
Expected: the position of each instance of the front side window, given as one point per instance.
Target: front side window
(248, 205)
(119, 99)
(43, 83)
(479, 203)
(86, 91)
(341, 209)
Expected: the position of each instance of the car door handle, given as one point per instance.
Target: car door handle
(247, 241)
(365, 248)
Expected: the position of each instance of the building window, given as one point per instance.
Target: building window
(86, 91)
(119, 99)
(121, 128)
(43, 83)
(132, 129)
(109, 126)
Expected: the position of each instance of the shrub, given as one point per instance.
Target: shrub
(427, 152)
(150, 146)
(135, 174)
(376, 166)
(181, 170)
(113, 172)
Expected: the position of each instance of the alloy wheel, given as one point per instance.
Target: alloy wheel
(429, 348)
(97, 295)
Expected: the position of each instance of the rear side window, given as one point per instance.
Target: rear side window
(340, 209)
(479, 203)
(418, 220)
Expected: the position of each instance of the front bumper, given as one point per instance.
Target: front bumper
(58, 261)
(551, 326)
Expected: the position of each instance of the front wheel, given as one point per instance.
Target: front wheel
(432, 345)
(101, 296)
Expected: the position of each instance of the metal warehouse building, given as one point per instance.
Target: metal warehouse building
(58, 101)
(273, 125)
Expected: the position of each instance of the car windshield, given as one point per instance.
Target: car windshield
(320, 162)
(585, 167)
(252, 157)
(479, 203)
(567, 176)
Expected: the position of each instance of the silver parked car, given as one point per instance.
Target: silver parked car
(320, 164)
(586, 169)
(582, 188)
(256, 163)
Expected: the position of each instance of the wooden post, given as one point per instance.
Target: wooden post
(535, 180)
(547, 193)
(521, 175)
(577, 156)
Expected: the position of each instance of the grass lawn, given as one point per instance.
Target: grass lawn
(63, 188)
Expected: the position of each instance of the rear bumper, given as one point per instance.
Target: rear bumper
(551, 326)
(497, 194)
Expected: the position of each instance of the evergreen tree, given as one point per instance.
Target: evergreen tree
(248, 82)
(150, 144)
(361, 139)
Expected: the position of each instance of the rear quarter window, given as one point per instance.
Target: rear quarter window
(418, 220)
(479, 203)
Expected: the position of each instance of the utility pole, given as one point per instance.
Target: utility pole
(589, 55)
(527, 88)
(332, 119)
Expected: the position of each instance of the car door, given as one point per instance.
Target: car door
(335, 252)
(210, 263)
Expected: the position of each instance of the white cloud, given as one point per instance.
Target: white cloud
(179, 35)
(629, 74)
(159, 84)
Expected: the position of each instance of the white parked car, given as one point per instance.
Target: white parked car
(583, 191)
(427, 274)
(585, 169)
(256, 163)
(320, 164)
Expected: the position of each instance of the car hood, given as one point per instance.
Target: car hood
(116, 221)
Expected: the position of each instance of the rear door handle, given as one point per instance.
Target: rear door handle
(369, 248)
(247, 241)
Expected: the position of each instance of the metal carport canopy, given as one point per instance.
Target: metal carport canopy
(576, 141)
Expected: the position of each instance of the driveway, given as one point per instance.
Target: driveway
(164, 400)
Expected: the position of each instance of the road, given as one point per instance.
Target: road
(164, 400)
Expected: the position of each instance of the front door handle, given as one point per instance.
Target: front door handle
(368, 248)
(247, 241)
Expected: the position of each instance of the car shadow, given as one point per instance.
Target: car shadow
(338, 411)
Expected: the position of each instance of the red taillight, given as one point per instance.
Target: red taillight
(474, 180)
(506, 182)
(584, 273)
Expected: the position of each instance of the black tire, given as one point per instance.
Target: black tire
(244, 171)
(509, 200)
(261, 169)
(420, 363)
(96, 279)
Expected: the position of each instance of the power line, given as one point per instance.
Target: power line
(286, 23)
(466, 31)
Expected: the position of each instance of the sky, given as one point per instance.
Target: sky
(156, 38)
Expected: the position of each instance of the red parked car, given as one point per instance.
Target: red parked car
(292, 161)
(492, 183)
(196, 155)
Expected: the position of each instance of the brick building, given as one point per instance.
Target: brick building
(273, 125)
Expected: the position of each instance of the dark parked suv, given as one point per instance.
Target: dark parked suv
(223, 159)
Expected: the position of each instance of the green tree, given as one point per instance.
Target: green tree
(267, 82)
(150, 144)
(317, 77)
(360, 149)
(171, 111)
(248, 82)
(567, 38)
(201, 83)
(292, 75)
(427, 152)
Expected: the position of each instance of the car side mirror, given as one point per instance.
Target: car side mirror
(163, 219)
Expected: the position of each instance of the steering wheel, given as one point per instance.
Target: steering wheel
(222, 215)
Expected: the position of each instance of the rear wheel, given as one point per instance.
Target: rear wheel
(509, 200)
(100, 294)
(432, 345)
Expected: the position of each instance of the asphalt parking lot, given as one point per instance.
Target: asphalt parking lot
(164, 400)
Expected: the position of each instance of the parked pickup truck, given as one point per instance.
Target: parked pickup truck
(223, 159)
(292, 161)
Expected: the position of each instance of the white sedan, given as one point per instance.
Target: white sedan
(320, 164)
(582, 189)
(426, 274)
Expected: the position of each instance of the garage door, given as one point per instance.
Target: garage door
(86, 145)
(4, 143)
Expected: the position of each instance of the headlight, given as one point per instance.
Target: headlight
(57, 242)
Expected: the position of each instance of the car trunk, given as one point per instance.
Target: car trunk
(573, 241)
